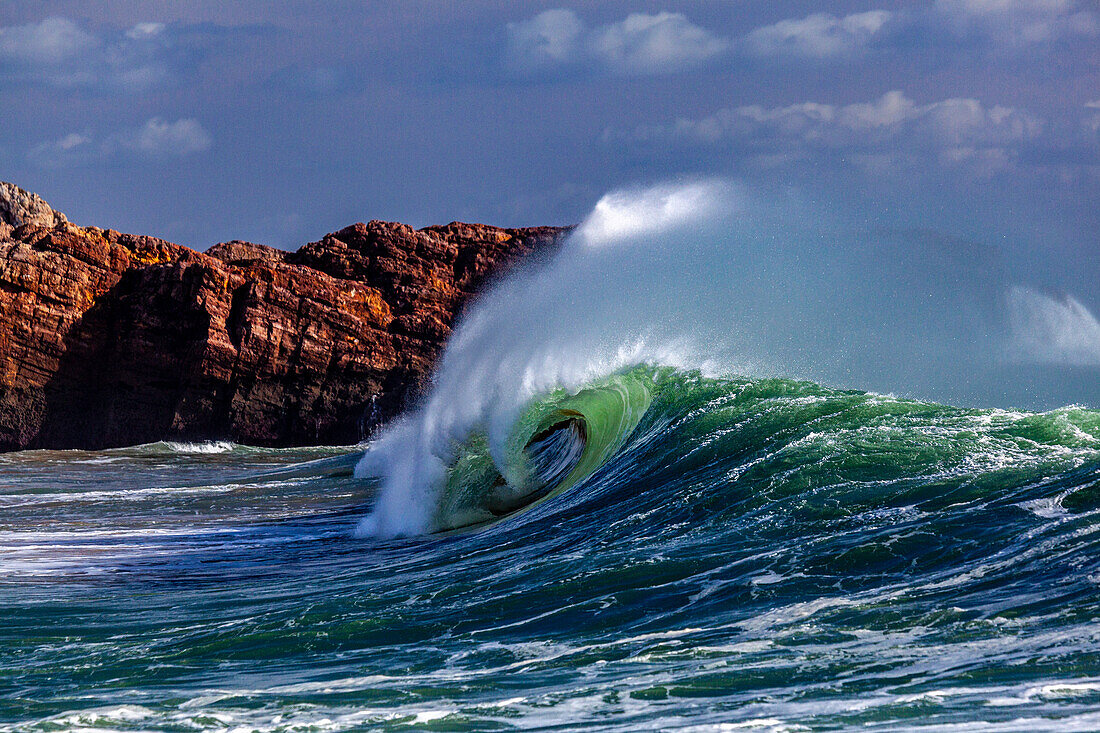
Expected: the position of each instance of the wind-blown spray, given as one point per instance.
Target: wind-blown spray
(706, 275)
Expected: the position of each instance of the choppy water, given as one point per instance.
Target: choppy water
(761, 554)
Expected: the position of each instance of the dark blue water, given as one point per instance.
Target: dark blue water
(760, 555)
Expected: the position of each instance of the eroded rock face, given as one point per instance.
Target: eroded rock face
(109, 339)
(19, 207)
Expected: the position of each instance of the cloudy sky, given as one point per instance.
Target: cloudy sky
(279, 121)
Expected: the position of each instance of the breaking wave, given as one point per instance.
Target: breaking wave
(707, 276)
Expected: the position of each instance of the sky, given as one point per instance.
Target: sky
(278, 122)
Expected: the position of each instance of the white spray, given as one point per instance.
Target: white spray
(706, 275)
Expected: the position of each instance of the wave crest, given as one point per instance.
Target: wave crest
(708, 276)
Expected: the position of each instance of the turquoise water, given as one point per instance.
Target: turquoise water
(766, 554)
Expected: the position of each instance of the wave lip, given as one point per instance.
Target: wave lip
(558, 440)
(554, 452)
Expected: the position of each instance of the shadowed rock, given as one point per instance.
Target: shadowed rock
(110, 339)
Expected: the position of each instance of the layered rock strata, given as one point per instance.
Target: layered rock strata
(110, 339)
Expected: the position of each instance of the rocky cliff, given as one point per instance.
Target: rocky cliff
(110, 339)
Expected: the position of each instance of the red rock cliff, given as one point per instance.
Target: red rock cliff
(110, 339)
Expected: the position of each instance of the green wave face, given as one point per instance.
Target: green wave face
(720, 549)
(791, 436)
(557, 441)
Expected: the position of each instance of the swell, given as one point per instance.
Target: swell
(822, 453)
(710, 276)
(747, 549)
(784, 461)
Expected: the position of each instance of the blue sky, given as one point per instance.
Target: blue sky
(280, 121)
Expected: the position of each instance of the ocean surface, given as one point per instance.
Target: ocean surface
(658, 550)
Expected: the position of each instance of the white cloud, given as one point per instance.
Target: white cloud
(978, 7)
(145, 30)
(951, 122)
(53, 41)
(74, 148)
(820, 35)
(884, 133)
(999, 24)
(57, 52)
(162, 138)
(647, 44)
(667, 42)
(551, 37)
(157, 138)
(985, 8)
(639, 44)
(1092, 121)
(1020, 22)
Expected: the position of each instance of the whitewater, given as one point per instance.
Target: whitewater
(723, 462)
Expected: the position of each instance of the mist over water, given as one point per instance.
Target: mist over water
(710, 275)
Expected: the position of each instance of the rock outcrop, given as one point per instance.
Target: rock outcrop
(110, 339)
(19, 207)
